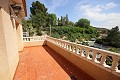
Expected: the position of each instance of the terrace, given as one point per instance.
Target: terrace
(47, 58)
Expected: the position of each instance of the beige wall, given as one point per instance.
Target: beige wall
(20, 37)
(35, 43)
(96, 71)
(8, 47)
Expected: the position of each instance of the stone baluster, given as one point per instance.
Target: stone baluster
(64, 45)
(72, 48)
(32, 39)
(87, 53)
(57, 42)
(67, 46)
(114, 63)
(94, 55)
(40, 38)
(25, 39)
(28, 39)
(60, 44)
(54, 41)
(81, 51)
(76, 50)
(103, 58)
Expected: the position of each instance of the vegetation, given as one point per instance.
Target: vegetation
(83, 23)
(38, 16)
(64, 21)
(80, 31)
(72, 33)
(112, 38)
(41, 20)
(27, 27)
(51, 20)
(62, 27)
(115, 50)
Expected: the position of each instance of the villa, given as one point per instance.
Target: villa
(47, 58)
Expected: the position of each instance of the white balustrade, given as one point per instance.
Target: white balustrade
(32, 39)
(84, 51)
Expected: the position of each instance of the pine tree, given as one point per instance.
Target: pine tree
(66, 20)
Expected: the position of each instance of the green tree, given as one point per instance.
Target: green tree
(85, 23)
(114, 37)
(62, 21)
(59, 22)
(27, 24)
(38, 16)
(66, 20)
(52, 20)
(72, 33)
(71, 23)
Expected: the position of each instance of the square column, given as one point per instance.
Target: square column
(19, 36)
(9, 56)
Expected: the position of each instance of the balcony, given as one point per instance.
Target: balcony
(47, 58)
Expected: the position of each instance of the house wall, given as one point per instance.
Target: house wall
(8, 43)
(20, 37)
(34, 43)
(96, 71)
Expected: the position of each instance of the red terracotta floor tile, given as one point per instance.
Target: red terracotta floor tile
(43, 63)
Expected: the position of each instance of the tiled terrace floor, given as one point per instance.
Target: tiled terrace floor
(43, 63)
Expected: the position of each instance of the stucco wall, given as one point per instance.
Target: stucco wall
(96, 71)
(35, 43)
(20, 37)
(8, 47)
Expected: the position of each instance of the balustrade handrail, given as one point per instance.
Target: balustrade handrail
(114, 53)
(99, 56)
(34, 38)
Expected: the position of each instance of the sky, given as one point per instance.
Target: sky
(101, 13)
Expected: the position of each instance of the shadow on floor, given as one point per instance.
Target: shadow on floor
(73, 71)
